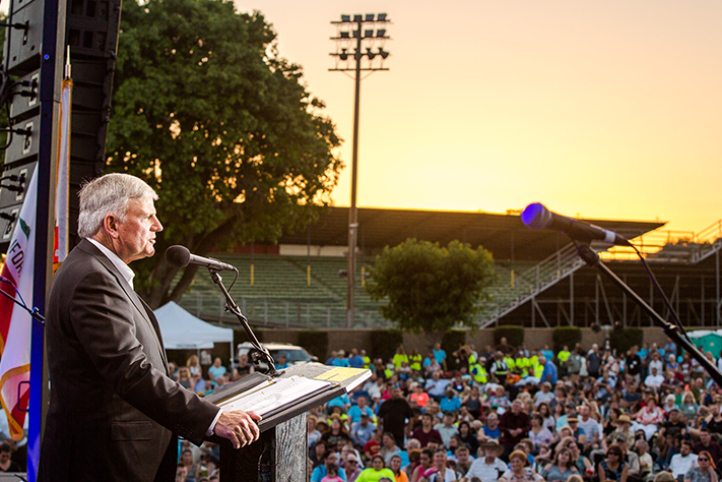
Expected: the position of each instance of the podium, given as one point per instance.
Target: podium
(281, 452)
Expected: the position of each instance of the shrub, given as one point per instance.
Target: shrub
(315, 342)
(514, 335)
(623, 339)
(450, 342)
(566, 335)
(385, 342)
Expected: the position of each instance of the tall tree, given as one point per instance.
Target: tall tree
(220, 125)
(430, 288)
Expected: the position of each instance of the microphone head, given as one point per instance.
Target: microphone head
(178, 256)
(536, 216)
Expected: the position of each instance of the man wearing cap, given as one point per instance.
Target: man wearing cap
(489, 466)
(363, 430)
(549, 374)
(351, 467)
(674, 426)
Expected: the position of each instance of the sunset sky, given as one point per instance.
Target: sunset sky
(598, 108)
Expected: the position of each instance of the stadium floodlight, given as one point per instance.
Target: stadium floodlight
(369, 46)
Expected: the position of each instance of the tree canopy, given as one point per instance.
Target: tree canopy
(431, 288)
(208, 113)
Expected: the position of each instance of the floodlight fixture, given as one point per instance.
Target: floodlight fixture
(359, 42)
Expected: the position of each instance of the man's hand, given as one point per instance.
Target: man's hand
(238, 427)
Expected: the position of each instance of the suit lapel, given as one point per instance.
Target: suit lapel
(145, 312)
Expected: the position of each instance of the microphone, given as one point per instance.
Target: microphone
(537, 216)
(180, 256)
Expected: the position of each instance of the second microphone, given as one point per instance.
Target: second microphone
(181, 257)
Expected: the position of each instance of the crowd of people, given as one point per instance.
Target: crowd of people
(509, 414)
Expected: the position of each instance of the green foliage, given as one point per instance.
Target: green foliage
(514, 335)
(566, 335)
(430, 288)
(208, 113)
(315, 342)
(451, 342)
(625, 338)
(385, 342)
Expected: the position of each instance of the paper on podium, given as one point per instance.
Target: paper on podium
(274, 394)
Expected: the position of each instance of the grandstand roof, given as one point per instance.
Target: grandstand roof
(499, 233)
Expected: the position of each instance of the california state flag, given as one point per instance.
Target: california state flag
(16, 323)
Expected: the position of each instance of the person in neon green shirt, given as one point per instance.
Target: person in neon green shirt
(376, 471)
(400, 357)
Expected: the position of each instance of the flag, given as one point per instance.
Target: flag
(62, 185)
(16, 323)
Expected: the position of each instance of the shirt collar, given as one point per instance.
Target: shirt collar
(124, 269)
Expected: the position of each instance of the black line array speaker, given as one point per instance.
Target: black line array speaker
(92, 28)
(20, 92)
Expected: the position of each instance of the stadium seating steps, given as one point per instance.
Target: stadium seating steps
(282, 295)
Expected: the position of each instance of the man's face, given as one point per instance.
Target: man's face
(180, 474)
(492, 421)
(515, 408)
(4, 457)
(331, 459)
(684, 450)
(704, 437)
(462, 456)
(426, 421)
(136, 234)
(585, 411)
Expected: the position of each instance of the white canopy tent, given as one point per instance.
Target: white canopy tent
(183, 331)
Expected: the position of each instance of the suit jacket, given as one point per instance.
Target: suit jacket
(113, 408)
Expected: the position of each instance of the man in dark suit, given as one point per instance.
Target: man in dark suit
(114, 411)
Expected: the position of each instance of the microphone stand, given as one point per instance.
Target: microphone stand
(261, 354)
(672, 331)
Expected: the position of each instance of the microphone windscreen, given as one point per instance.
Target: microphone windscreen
(178, 256)
(536, 216)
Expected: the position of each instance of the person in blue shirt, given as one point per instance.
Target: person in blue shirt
(341, 360)
(450, 403)
(332, 359)
(354, 413)
(440, 355)
(491, 429)
(356, 360)
(322, 471)
(549, 374)
(548, 354)
(281, 363)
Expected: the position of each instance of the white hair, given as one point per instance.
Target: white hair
(108, 194)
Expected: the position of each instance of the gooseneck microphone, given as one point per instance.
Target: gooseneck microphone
(180, 256)
(537, 216)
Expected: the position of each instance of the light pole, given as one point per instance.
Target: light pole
(370, 34)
